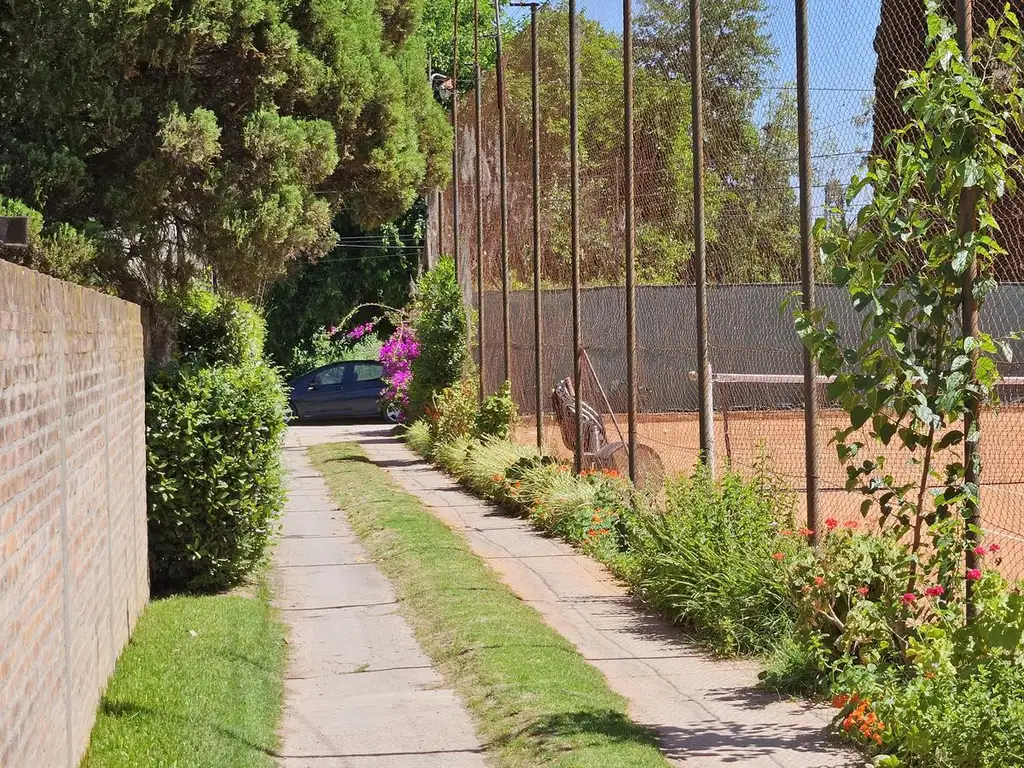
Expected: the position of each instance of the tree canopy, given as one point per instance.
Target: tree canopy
(218, 136)
(751, 210)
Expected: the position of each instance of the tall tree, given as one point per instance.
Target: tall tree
(751, 208)
(215, 135)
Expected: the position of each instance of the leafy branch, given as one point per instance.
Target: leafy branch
(905, 378)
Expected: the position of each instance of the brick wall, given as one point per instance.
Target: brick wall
(73, 570)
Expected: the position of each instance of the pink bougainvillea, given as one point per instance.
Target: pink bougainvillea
(397, 354)
(361, 330)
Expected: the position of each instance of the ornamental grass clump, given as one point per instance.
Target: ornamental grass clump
(711, 561)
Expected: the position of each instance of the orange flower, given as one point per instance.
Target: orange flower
(779, 556)
(841, 700)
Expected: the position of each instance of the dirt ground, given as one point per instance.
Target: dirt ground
(778, 436)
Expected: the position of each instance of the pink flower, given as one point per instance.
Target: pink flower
(863, 591)
(980, 550)
(993, 548)
(937, 591)
(908, 599)
(973, 574)
(819, 581)
(831, 523)
(806, 531)
(851, 524)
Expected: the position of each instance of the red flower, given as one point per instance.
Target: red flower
(806, 531)
(937, 591)
(980, 550)
(973, 574)
(786, 532)
(819, 581)
(993, 548)
(851, 524)
(863, 591)
(831, 523)
(909, 598)
(779, 556)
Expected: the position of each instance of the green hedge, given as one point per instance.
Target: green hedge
(213, 471)
(215, 419)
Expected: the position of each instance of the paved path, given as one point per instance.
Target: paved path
(707, 712)
(359, 692)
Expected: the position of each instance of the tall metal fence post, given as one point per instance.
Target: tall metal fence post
(538, 348)
(535, 120)
(807, 265)
(704, 381)
(478, 193)
(627, 151)
(574, 236)
(503, 192)
(455, 140)
(967, 222)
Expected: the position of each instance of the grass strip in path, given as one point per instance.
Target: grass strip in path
(535, 700)
(200, 684)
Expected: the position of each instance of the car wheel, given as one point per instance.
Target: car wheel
(393, 413)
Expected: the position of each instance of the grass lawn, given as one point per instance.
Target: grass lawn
(200, 684)
(535, 700)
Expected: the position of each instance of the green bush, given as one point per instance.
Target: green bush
(453, 411)
(217, 330)
(497, 416)
(707, 561)
(440, 326)
(213, 472)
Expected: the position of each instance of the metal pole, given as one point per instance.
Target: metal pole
(803, 104)
(967, 222)
(574, 237)
(537, 341)
(704, 383)
(479, 202)
(455, 141)
(440, 224)
(503, 188)
(627, 151)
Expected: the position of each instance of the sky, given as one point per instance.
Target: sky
(841, 65)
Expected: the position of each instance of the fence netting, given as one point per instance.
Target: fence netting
(858, 52)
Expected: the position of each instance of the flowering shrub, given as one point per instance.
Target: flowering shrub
(903, 662)
(397, 355)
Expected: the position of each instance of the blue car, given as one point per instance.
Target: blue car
(349, 390)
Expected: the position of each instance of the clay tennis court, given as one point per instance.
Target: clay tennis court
(778, 435)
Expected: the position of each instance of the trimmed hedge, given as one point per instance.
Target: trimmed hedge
(213, 472)
(215, 419)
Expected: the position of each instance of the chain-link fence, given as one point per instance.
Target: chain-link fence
(750, 189)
